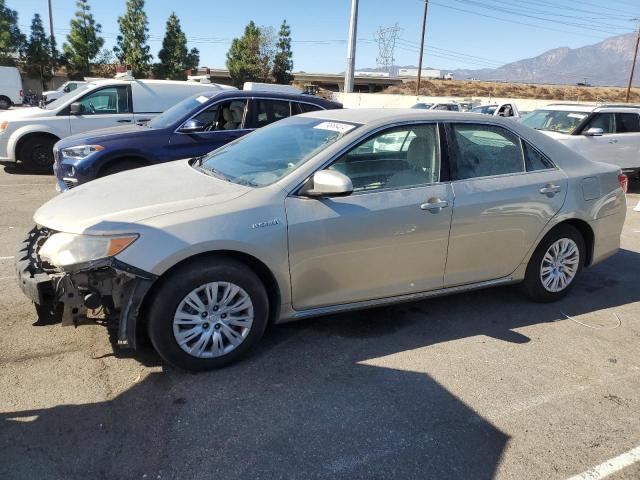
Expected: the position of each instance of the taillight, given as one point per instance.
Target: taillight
(624, 181)
(22, 93)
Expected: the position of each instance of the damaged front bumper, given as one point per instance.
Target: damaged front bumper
(109, 283)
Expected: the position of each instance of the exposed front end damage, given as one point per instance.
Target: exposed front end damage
(67, 295)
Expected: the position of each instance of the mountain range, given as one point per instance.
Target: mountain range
(604, 63)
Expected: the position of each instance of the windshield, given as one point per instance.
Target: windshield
(178, 111)
(486, 109)
(64, 98)
(424, 106)
(554, 120)
(270, 153)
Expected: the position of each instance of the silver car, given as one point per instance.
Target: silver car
(317, 214)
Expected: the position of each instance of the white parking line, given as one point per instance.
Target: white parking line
(610, 466)
(28, 185)
(7, 258)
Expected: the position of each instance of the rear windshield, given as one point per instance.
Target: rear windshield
(554, 120)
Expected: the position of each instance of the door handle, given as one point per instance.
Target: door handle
(434, 205)
(124, 121)
(550, 190)
(144, 120)
(613, 141)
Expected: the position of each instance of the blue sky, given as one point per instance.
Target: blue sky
(460, 33)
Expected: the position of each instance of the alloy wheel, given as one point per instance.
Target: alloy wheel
(559, 265)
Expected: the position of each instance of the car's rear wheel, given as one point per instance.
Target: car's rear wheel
(206, 315)
(37, 153)
(555, 265)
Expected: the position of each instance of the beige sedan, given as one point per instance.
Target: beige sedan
(324, 212)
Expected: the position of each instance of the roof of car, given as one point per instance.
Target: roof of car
(300, 97)
(390, 115)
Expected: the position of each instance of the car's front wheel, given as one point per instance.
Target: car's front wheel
(555, 265)
(208, 314)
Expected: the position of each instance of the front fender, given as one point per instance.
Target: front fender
(44, 129)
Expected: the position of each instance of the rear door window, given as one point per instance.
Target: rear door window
(627, 123)
(298, 108)
(483, 151)
(268, 111)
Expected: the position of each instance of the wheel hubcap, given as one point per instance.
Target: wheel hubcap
(559, 265)
(213, 319)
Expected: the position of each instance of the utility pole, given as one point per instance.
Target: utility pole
(633, 63)
(351, 48)
(424, 24)
(53, 47)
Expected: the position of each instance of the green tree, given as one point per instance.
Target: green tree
(37, 53)
(11, 39)
(84, 41)
(174, 57)
(283, 60)
(249, 56)
(132, 48)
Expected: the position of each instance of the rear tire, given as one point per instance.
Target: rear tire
(555, 265)
(120, 166)
(5, 103)
(37, 153)
(208, 314)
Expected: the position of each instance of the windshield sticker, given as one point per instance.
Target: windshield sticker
(577, 115)
(335, 127)
(201, 99)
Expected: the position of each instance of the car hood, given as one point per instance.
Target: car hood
(105, 135)
(26, 113)
(107, 204)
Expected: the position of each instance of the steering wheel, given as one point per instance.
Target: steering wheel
(92, 108)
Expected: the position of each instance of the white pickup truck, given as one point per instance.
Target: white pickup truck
(28, 134)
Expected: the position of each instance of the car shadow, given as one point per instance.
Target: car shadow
(19, 168)
(307, 404)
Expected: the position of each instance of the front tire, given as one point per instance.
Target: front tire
(120, 166)
(555, 265)
(37, 154)
(208, 314)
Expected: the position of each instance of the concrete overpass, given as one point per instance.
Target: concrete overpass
(327, 81)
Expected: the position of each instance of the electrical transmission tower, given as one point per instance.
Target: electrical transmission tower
(386, 38)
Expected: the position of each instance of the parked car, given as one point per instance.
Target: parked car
(11, 92)
(450, 106)
(606, 133)
(498, 110)
(29, 134)
(193, 127)
(300, 219)
(67, 87)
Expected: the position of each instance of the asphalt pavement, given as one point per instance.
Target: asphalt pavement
(474, 386)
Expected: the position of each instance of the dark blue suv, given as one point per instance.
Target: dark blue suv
(193, 127)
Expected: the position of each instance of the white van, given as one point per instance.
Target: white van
(11, 92)
(29, 134)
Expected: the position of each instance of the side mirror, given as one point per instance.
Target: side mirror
(191, 126)
(66, 89)
(76, 108)
(328, 183)
(594, 132)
